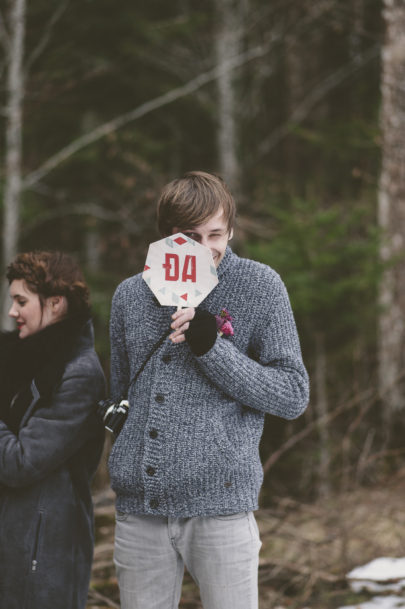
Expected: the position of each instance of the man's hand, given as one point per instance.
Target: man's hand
(181, 323)
(197, 327)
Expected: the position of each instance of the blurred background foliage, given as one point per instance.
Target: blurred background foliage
(304, 102)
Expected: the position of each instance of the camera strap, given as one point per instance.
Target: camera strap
(154, 349)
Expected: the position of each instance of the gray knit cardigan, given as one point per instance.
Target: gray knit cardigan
(190, 445)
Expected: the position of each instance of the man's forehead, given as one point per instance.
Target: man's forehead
(214, 223)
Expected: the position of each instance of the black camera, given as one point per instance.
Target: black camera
(113, 413)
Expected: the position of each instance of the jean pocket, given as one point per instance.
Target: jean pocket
(254, 529)
(225, 517)
(121, 516)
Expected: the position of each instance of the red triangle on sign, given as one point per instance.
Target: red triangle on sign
(146, 267)
(184, 296)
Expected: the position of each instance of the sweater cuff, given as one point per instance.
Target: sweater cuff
(202, 333)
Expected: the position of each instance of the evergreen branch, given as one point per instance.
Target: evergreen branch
(149, 106)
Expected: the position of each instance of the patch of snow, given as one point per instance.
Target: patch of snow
(380, 570)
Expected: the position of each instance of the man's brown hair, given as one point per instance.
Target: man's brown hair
(52, 274)
(191, 200)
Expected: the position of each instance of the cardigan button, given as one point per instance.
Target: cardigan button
(166, 359)
(160, 398)
(153, 434)
(154, 503)
(151, 471)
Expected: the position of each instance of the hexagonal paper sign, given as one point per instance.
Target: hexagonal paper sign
(179, 271)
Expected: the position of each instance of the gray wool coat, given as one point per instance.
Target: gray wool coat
(190, 445)
(46, 464)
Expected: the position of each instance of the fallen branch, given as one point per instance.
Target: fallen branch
(102, 548)
(97, 596)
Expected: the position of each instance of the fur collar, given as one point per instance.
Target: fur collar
(22, 360)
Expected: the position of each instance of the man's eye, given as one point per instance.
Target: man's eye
(21, 302)
(193, 236)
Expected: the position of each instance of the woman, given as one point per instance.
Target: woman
(50, 436)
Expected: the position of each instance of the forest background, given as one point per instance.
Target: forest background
(300, 106)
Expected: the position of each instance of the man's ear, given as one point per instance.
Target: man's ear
(230, 234)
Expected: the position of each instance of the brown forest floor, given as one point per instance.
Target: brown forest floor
(307, 548)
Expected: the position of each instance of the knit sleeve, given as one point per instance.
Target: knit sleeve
(119, 358)
(274, 379)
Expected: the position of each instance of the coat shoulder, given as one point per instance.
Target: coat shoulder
(85, 364)
(78, 359)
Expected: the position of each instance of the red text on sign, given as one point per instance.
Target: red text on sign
(172, 268)
(189, 269)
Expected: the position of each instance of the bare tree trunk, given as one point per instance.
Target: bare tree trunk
(228, 43)
(15, 95)
(391, 211)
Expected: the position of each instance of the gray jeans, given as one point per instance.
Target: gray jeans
(221, 553)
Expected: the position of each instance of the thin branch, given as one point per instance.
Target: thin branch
(39, 49)
(190, 87)
(293, 440)
(370, 396)
(4, 35)
(317, 93)
(372, 458)
(84, 209)
(267, 566)
(163, 100)
(172, 64)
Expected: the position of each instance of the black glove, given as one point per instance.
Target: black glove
(202, 333)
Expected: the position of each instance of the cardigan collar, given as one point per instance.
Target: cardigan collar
(225, 263)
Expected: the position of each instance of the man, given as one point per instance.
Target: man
(186, 466)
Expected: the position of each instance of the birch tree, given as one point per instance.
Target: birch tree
(12, 37)
(391, 211)
(13, 46)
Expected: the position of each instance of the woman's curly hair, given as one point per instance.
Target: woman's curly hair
(52, 274)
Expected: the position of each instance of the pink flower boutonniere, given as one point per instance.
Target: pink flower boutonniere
(224, 325)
